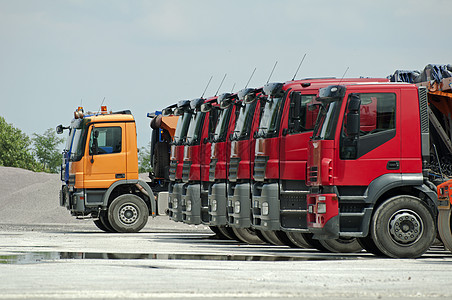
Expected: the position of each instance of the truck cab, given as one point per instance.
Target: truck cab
(368, 168)
(175, 186)
(196, 160)
(100, 172)
(279, 189)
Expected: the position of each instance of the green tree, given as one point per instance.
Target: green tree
(144, 159)
(46, 151)
(15, 148)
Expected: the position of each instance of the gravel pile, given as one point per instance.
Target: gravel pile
(27, 197)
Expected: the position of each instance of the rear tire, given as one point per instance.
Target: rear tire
(128, 213)
(248, 235)
(445, 228)
(403, 227)
(101, 226)
(342, 245)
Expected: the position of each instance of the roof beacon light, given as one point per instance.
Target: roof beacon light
(103, 109)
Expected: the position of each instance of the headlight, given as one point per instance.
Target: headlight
(237, 207)
(188, 205)
(265, 209)
(214, 205)
(321, 207)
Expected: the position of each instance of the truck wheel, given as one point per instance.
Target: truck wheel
(342, 245)
(298, 239)
(248, 235)
(309, 237)
(228, 233)
(284, 238)
(103, 224)
(403, 227)
(368, 244)
(128, 213)
(445, 228)
(270, 237)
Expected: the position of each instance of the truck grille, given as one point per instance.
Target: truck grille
(260, 164)
(172, 170)
(233, 168)
(186, 171)
(212, 166)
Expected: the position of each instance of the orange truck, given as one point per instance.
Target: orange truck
(100, 171)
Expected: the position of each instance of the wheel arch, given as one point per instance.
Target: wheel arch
(390, 185)
(122, 187)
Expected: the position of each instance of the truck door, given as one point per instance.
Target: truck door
(374, 148)
(105, 162)
(299, 123)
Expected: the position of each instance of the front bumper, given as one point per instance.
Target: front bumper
(174, 202)
(266, 206)
(323, 215)
(217, 204)
(191, 204)
(239, 205)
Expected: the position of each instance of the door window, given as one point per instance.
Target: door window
(108, 140)
(377, 125)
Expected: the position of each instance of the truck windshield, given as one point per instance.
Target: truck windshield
(195, 128)
(222, 124)
(243, 124)
(77, 145)
(181, 128)
(327, 120)
(272, 114)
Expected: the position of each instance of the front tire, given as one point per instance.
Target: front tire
(403, 227)
(342, 245)
(128, 213)
(248, 235)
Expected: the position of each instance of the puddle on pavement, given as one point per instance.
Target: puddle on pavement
(41, 257)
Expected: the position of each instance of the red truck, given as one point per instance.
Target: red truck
(370, 175)
(279, 190)
(176, 159)
(196, 161)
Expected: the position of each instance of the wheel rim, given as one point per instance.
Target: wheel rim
(128, 214)
(406, 227)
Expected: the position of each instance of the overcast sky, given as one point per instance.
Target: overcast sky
(145, 55)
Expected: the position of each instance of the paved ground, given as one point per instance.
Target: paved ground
(172, 260)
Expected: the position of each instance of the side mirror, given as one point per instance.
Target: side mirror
(353, 118)
(94, 146)
(295, 105)
(59, 129)
(205, 141)
(352, 124)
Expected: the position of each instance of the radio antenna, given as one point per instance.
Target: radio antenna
(221, 84)
(250, 78)
(272, 71)
(343, 76)
(233, 86)
(296, 72)
(207, 86)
